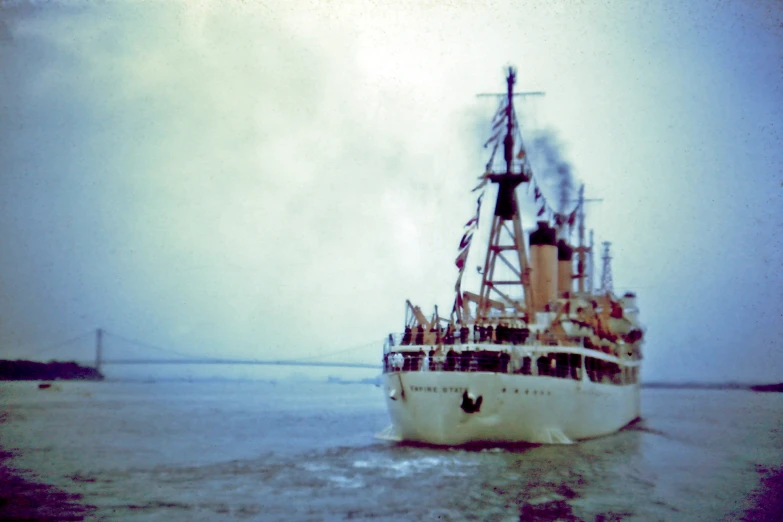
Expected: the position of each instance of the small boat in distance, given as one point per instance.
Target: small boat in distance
(536, 354)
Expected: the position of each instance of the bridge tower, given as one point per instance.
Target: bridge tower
(98, 349)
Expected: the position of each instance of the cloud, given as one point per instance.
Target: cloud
(236, 177)
(225, 177)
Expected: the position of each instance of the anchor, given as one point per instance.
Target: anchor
(470, 404)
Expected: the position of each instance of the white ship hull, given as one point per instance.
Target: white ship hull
(427, 407)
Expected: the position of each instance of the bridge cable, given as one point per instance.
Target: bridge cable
(149, 346)
(60, 344)
(352, 349)
(191, 356)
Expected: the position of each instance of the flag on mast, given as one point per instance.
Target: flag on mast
(466, 239)
(464, 247)
(461, 259)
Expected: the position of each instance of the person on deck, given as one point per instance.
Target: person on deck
(464, 332)
(419, 335)
(438, 360)
(505, 358)
(451, 360)
(417, 360)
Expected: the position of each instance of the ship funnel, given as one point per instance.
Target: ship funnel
(543, 261)
(565, 267)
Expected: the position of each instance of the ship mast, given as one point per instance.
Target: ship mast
(506, 233)
(591, 265)
(606, 272)
(583, 250)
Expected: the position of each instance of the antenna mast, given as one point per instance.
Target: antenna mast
(591, 271)
(583, 249)
(508, 141)
(606, 273)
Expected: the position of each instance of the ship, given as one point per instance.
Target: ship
(537, 354)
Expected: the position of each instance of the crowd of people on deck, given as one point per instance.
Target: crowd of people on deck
(501, 334)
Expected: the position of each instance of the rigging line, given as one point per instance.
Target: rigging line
(518, 131)
(501, 109)
(492, 156)
(60, 344)
(149, 346)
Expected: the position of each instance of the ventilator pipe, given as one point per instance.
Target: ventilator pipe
(564, 268)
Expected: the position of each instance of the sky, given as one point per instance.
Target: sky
(274, 179)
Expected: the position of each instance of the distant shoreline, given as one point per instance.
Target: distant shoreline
(714, 386)
(21, 370)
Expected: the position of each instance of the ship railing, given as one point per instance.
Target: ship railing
(410, 341)
(467, 361)
(556, 364)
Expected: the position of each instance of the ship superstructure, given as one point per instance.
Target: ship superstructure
(534, 355)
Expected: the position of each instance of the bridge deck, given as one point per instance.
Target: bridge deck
(241, 362)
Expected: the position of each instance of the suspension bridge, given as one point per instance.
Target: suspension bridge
(100, 338)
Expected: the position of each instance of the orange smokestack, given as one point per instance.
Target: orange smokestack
(543, 261)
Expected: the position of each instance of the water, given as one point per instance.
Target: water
(305, 451)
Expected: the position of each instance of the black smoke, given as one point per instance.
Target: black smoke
(553, 171)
